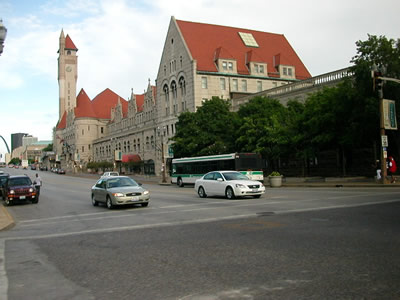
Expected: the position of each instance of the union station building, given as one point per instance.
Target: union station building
(198, 61)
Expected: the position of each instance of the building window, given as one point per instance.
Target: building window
(83, 132)
(222, 83)
(284, 71)
(259, 86)
(224, 66)
(101, 129)
(262, 69)
(204, 82)
(83, 149)
(290, 73)
(230, 66)
(234, 85)
(255, 68)
(244, 85)
(181, 60)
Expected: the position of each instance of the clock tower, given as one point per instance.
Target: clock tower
(67, 74)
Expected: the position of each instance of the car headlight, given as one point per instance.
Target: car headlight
(12, 192)
(31, 190)
(118, 194)
(146, 192)
(239, 185)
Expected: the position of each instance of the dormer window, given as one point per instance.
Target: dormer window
(224, 65)
(230, 66)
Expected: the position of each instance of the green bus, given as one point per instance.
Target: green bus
(186, 170)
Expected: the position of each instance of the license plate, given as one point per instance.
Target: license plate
(134, 198)
(22, 197)
(255, 191)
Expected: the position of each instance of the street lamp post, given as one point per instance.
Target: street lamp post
(161, 133)
(3, 34)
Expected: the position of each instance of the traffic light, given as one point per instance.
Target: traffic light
(377, 80)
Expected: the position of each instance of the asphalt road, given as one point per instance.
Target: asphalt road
(293, 243)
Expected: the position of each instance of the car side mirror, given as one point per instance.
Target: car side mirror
(140, 184)
(220, 179)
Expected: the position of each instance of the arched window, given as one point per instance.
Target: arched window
(182, 86)
(166, 92)
(134, 145)
(173, 90)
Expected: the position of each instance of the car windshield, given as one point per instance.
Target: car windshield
(19, 181)
(121, 182)
(235, 176)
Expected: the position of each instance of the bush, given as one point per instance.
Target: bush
(275, 173)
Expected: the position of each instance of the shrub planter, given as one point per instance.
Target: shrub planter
(275, 181)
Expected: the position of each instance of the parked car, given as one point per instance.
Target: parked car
(33, 167)
(19, 188)
(108, 174)
(3, 179)
(60, 171)
(119, 190)
(230, 184)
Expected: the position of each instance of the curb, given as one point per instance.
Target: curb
(6, 220)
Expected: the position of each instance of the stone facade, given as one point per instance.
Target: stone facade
(145, 128)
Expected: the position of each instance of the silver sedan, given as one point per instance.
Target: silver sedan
(230, 184)
(119, 190)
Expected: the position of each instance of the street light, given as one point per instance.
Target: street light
(161, 133)
(3, 34)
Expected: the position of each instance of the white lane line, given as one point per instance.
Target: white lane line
(188, 222)
(3, 274)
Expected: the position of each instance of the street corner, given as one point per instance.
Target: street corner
(6, 220)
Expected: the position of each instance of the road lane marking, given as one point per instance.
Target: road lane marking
(189, 222)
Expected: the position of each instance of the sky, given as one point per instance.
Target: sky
(120, 44)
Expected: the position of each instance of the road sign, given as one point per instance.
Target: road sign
(384, 141)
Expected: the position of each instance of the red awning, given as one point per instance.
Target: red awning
(131, 158)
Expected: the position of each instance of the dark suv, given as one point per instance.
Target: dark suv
(3, 179)
(19, 188)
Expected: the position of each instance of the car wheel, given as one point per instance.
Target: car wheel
(257, 196)
(109, 203)
(145, 204)
(201, 192)
(229, 193)
(34, 201)
(7, 201)
(180, 182)
(94, 202)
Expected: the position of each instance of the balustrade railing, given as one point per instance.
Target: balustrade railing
(324, 79)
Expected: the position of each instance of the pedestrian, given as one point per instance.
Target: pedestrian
(377, 167)
(391, 168)
(37, 183)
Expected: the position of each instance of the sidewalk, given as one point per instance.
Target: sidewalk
(6, 220)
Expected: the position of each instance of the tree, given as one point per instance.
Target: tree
(263, 128)
(48, 148)
(210, 130)
(382, 52)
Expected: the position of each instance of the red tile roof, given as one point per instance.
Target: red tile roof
(139, 102)
(215, 36)
(69, 44)
(84, 108)
(106, 100)
(63, 122)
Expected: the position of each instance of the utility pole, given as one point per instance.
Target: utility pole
(378, 80)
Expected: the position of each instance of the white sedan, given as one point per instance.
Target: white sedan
(228, 183)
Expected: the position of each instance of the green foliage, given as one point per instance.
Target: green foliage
(48, 148)
(263, 127)
(208, 131)
(275, 173)
(102, 165)
(15, 161)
